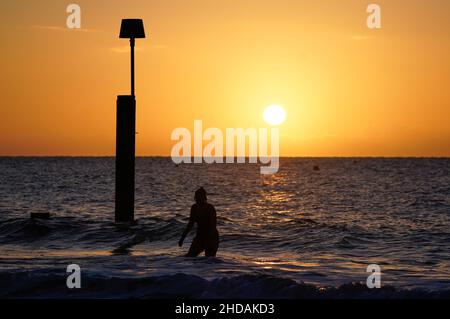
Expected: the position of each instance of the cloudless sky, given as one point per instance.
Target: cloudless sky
(347, 90)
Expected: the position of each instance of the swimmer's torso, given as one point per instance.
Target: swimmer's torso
(204, 215)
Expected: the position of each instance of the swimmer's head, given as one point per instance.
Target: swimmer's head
(200, 196)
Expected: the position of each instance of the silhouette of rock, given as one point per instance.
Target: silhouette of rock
(40, 215)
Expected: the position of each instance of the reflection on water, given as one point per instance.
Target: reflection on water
(322, 227)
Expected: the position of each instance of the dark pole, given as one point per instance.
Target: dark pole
(126, 132)
(125, 155)
(132, 42)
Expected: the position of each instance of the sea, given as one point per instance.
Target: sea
(314, 230)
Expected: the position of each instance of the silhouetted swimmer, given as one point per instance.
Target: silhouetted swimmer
(207, 237)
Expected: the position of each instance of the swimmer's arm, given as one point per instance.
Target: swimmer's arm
(188, 228)
(213, 225)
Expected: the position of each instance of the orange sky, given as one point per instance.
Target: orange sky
(347, 90)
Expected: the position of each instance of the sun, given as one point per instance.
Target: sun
(274, 115)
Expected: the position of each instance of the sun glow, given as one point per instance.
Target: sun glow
(274, 115)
